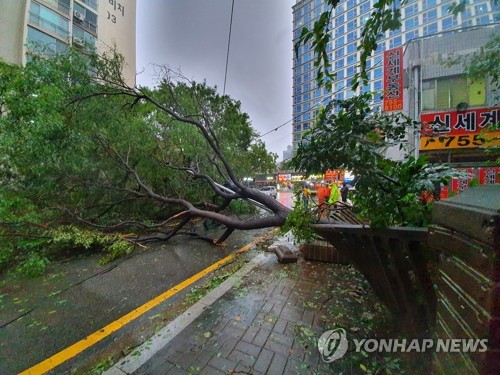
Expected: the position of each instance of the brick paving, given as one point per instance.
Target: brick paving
(268, 323)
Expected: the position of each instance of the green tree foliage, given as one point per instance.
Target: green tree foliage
(355, 138)
(78, 146)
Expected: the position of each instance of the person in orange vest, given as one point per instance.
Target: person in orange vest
(322, 195)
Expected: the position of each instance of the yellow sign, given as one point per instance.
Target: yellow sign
(439, 142)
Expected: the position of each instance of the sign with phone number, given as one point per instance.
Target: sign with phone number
(440, 142)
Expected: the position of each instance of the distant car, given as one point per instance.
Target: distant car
(270, 190)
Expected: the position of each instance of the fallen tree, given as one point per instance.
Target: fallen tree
(86, 156)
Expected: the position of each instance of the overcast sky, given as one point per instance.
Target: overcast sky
(192, 35)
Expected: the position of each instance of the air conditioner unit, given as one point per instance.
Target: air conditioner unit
(77, 15)
(78, 42)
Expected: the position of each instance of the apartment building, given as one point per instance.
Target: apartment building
(57, 24)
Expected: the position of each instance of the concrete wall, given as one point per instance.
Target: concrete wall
(117, 27)
(12, 21)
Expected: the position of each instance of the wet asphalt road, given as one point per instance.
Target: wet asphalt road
(42, 316)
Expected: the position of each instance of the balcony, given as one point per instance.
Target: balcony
(49, 26)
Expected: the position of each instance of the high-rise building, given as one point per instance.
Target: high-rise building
(56, 24)
(420, 19)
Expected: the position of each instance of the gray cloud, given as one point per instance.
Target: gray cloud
(192, 35)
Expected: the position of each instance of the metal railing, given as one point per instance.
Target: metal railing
(42, 22)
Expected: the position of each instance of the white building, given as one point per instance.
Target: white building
(56, 24)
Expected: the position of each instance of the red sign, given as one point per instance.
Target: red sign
(457, 129)
(489, 175)
(471, 121)
(393, 79)
(459, 185)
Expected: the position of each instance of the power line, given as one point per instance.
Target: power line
(228, 45)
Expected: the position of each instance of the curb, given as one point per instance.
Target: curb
(149, 348)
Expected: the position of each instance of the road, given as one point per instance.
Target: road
(77, 298)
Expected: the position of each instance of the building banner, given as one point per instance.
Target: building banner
(489, 175)
(459, 185)
(393, 79)
(459, 129)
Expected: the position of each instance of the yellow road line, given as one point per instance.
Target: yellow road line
(78, 347)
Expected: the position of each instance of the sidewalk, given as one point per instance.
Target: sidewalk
(265, 319)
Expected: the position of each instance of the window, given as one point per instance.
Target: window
(445, 10)
(62, 5)
(353, 35)
(339, 31)
(50, 44)
(377, 73)
(340, 74)
(351, 47)
(49, 20)
(305, 126)
(339, 53)
(351, 14)
(395, 42)
(484, 20)
(339, 20)
(445, 93)
(85, 36)
(297, 128)
(91, 3)
(411, 23)
(365, 7)
(411, 35)
(351, 59)
(377, 85)
(426, 4)
(297, 109)
(306, 116)
(431, 15)
(90, 22)
(430, 29)
(411, 10)
(466, 14)
(449, 23)
(339, 64)
(340, 85)
(351, 25)
(339, 42)
(481, 9)
(339, 96)
(351, 3)
(351, 70)
(395, 32)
